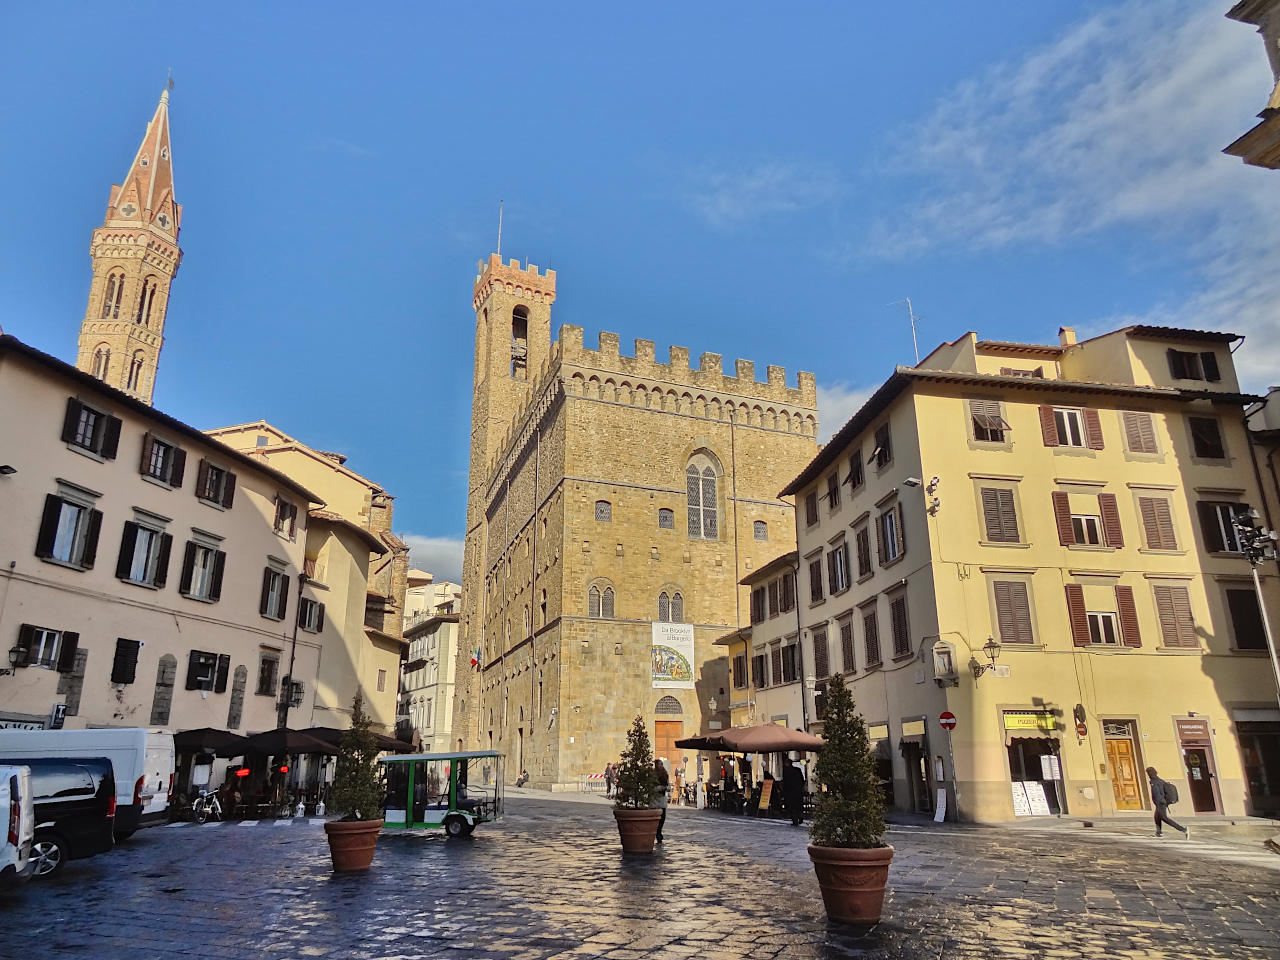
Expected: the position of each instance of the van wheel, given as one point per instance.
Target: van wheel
(456, 826)
(48, 854)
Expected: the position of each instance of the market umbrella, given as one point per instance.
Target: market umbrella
(332, 735)
(277, 743)
(207, 740)
(767, 738)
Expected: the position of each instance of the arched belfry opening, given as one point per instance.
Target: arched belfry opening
(520, 343)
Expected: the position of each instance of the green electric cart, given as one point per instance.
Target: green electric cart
(449, 791)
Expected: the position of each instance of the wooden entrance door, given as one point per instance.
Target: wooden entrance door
(1200, 779)
(665, 735)
(1124, 774)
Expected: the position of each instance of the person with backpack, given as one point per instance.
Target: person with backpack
(1163, 794)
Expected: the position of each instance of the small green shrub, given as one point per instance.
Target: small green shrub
(851, 811)
(637, 780)
(357, 790)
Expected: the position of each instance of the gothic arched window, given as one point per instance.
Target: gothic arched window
(101, 361)
(135, 371)
(700, 485)
(677, 608)
(606, 602)
(111, 299)
(148, 294)
(664, 607)
(593, 602)
(520, 343)
(671, 607)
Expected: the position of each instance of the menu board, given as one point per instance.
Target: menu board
(1021, 805)
(1035, 796)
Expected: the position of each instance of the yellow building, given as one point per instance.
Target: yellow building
(356, 567)
(614, 503)
(1066, 509)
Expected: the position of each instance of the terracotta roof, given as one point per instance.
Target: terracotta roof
(742, 633)
(372, 542)
(1009, 346)
(1148, 332)
(11, 344)
(786, 561)
(391, 540)
(373, 633)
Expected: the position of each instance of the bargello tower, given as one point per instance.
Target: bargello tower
(135, 256)
(614, 503)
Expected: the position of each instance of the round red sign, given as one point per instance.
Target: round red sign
(1081, 729)
(947, 719)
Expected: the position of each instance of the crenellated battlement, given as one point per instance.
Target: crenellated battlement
(709, 375)
(518, 281)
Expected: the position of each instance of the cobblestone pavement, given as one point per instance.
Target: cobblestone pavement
(549, 881)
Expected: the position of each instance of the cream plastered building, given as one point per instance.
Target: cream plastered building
(145, 579)
(1072, 503)
(426, 696)
(355, 563)
(425, 597)
(614, 504)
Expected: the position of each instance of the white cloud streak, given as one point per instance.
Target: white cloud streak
(1115, 127)
(441, 556)
(837, 402)
(729, 199)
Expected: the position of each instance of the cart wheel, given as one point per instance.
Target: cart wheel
(456, 826)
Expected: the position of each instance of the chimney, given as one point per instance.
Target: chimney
(1067, 336)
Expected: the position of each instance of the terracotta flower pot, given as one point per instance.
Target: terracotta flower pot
(637, 828)
(351, 843)
(852, 881)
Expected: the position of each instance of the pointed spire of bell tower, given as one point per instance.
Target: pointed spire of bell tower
(135, 257)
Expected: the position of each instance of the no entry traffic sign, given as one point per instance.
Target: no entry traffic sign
(1081, 729)
(947, 720)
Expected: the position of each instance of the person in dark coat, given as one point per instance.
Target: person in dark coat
(1161, 797)
(793, 791)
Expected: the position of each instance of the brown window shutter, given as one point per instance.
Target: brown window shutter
(880, 540)
(1062, 515)
(1209, 364)
(775, 660)
(127, 542)
(26, 637)
(1177, 365)
(1150, 526)
(67, 655)
(1186, 622)
(48, 525)
(1008, 515)
(89, 556)
(1128, 617)
(111, 438)
(319, 617)
(71, 420)
(1048, 429)
(229, 490)
(266, 591)
(179, 467)
(220, 678)
(148, 442)
(162, 560)
(1173, 607)
(991, 513)
(1165, 615)
(202, 478)
(1022, 612)
(1077, 614)
(188, 568)
(1004, 611)
(284, 599)
(1110, 519)
(1209, 525)
(1092, 429)
(219, 563)
(900, 530)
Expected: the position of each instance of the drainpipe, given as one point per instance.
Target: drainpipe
(804, 681)
(282, 709)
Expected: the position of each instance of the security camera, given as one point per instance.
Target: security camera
(934, 482)
(911, 482)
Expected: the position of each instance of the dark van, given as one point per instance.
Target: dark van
(75, 807)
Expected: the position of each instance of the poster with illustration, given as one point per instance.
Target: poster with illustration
(673, 656)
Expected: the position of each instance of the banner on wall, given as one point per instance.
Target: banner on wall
(672, 656)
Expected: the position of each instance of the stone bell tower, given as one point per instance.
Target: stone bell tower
(135, 256)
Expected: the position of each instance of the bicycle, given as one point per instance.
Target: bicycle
(204, 806)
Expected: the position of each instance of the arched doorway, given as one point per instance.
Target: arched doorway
(667, 729)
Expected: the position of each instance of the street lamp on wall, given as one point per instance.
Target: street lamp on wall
(992, 651)
(15, 657)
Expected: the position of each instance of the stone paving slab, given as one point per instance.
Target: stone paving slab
(550, 881)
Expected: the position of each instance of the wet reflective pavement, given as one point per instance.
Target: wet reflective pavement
(550, 881)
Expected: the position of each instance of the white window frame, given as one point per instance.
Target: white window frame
(220, 474)
(1102, 623)
(310, 618)
(838, 557)
(1069, 424)
(1080, 526)
(146, 555)
(202, 571)
(46, 648)
(1225, 514)
(275, 596)
(69, 541)
(160, 463)
(889, 530)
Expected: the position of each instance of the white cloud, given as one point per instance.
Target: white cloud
(1118, 125)
(727, 199)
(441, 556)
(837, 402)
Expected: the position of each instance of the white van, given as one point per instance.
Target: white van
(17, 807)
(143, 762)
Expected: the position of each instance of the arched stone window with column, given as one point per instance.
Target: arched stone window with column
(112, 296)
(101, 361)
(600, 598)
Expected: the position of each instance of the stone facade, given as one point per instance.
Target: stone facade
(135, 257)
(585, 526)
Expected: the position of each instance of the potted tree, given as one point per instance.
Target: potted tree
(637, 784)
(847, 844)
(356, 793)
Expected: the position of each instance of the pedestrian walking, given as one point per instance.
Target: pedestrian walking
(608, 779)
(664, 793)
(1164, 793)
(793, 791)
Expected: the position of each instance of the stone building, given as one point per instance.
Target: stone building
(1038, 540)
(614, 503)
(1260, 146)
(135, 257)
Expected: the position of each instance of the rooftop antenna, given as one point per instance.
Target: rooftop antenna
(499, 230)
(912, 316)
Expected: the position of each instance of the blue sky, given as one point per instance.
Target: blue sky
(746, 179)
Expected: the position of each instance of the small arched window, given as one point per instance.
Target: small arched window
(677, 608)
(604, 511)
(606, 603)
(761, 530)
(148, 294)
(520, 343)
(135, 371)
(666, 519)
(526, 621)
(700, 486)
(593, 602)
(112, 297)
(670, 607)
(101, 361)
(668, 705)
(664, 607)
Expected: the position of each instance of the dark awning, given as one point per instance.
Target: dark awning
(206, 740)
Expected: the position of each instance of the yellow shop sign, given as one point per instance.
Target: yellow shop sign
(1030, 720)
